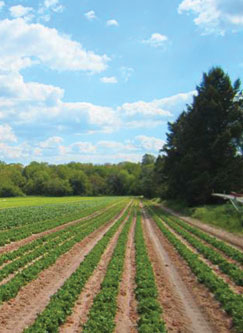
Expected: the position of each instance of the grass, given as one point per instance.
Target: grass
(221, 216)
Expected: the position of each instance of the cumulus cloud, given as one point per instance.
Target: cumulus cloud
(144, 108)
(158, 107)
(145, 123)
(83, 147)
(51, 142)
(7, 134)
(21, 40)
(214, 16)
(90, 15)
(54, 5)
(110, 79)
(112, 23)
(150, 143)
(99, 116)
(116, 145)
(156, 40)
(20, 11)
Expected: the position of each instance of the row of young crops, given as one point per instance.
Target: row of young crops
(21, 266)
(22, 222)
(230, 301)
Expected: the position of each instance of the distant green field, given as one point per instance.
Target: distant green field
(38, 201)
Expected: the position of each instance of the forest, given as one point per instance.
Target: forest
(202, 154)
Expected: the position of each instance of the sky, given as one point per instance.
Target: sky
(98, 81)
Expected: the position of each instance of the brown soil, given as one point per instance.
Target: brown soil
(21, 311)
(190, 297)
(215, 268)
(229, 259)
(81, 309)
(234, 240)
(126, 316)
(15, 245)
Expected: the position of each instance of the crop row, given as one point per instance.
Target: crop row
(103, 310)
(20, 216)
(43, 242)
(11, 288)
(149, 309)
(62, 302)
(231, 302)
(221, 245)
(232, 270)
(21, 233)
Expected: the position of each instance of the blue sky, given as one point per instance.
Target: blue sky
(97, 81)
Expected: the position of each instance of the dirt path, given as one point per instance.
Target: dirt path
(21, 311)
(15, 245)
(126, 316)
(182, 311)
(81, 309)
(203, 300)
(235, 240)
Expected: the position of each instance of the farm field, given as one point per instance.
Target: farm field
(39, 200)
(114, 264)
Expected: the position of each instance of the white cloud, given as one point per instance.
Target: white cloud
(2, 4)
(54, 5)
(90, 15)
(101, 116)
(112, 22)
(7, 134)
(110, 79)
(156, 40)
(47, 7)
(150, 143)
(145, 123)
(21, 40)
(19, 11)
(144, 108)
(158, 107)
(117, 146)
(51, 3)
(214, 16)
(51, 142)
(83, 147)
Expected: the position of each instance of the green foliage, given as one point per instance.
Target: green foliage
(230, 269)
(146, 292)
(203, 145)
(103, 310)
(223, 216)
(231, 302)
(64, 299)
(42, 224)
(11, 288)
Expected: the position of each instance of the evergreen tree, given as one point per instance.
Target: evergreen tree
(203, 145)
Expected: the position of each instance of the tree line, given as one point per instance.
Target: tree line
(86, 179)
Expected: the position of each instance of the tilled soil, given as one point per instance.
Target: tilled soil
(188, 306)
(126, 316)
(215, 268)
(81, 309)
(21, 311)
(235, 240)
